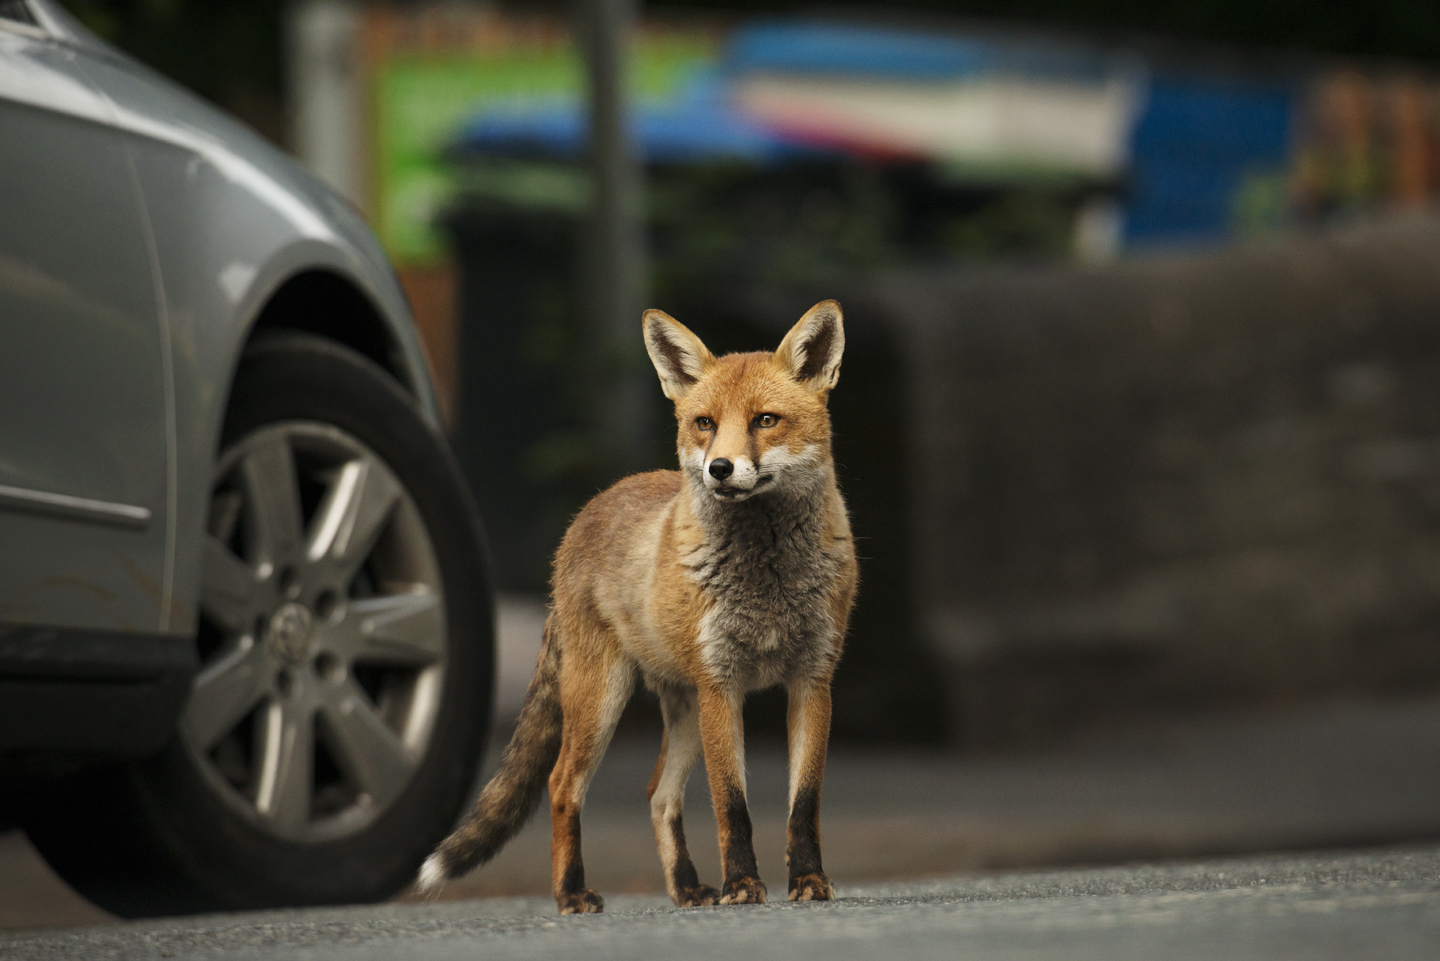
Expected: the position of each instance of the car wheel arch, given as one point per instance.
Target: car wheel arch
(325, 303)
(315, 297)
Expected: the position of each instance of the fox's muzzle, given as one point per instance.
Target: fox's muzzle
(731, 480)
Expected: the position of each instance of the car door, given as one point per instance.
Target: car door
(84, 456)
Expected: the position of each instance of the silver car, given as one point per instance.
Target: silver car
(246, 643)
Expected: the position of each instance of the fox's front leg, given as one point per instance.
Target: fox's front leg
(723, 737)
(809, 727)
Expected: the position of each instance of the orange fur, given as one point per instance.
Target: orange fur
(735, 573)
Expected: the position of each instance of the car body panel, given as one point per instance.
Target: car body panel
(83, 439)
(227, 221)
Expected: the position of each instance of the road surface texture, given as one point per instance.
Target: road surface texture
(1345, 774)
(1381, 904)
(1322, 776)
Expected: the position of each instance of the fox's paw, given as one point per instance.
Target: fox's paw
(699, 895)
(584, 901)
(811, 887)
(743, 891)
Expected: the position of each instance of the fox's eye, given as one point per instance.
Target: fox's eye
(767, 420)
(704, 423)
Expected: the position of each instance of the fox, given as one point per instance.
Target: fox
(733, 574)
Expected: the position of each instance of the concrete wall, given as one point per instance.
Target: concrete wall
(1179, 478)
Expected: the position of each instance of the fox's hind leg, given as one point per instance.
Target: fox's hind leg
(594, 688)
(679, 750)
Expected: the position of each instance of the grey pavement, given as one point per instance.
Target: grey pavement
(1325, 775)
(1375, 904)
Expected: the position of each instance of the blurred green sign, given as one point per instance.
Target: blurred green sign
(422, 101)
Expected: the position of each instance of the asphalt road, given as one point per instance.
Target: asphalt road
(1336, 775)
(1339, 775)
(1376, 904)
(1324, 776)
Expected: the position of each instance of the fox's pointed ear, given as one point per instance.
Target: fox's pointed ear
(811, 351)
(678, 355)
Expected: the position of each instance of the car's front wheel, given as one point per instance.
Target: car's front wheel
(346, 652)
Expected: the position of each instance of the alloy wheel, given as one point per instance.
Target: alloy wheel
(323, 634)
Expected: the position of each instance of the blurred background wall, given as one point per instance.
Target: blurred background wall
(1142, 304)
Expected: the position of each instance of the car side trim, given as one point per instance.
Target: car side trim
(102, 693)
(74, 508)
(32, 650)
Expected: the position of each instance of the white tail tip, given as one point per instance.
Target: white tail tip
(432, 875)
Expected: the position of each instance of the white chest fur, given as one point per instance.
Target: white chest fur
(768, 572)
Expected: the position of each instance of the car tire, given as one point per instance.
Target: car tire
(189, 830)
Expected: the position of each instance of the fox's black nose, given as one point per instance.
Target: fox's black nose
(721, 468)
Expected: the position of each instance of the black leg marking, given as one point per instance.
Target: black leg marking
(685, 884)
(685, 874)
(574, 877)
(574, 897)
(742, 878)
(740, 852)
(805, 834)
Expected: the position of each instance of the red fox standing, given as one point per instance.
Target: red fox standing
(733, 574)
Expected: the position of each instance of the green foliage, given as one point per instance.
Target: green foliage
(805, 224)
(1026, 223)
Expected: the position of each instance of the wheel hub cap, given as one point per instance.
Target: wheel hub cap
(289, 632)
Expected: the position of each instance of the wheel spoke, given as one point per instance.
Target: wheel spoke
(227, 587)
(353, 515)
(224, 693)
(369, 751)
(276, 553)
(274, 499)
(397, 629)
(287, 766)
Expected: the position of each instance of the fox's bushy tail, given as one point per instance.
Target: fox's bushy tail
(514, 792)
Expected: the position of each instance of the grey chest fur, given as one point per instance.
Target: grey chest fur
(770, 570)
